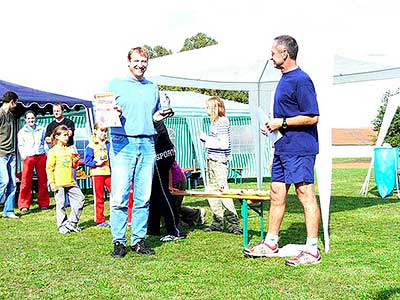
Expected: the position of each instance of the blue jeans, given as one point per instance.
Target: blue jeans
(132, 160)
(7, 183)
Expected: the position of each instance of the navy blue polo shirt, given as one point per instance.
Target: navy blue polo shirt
(295, 95)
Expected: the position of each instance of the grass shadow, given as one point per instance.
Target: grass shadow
(345, 203)
(387, 294)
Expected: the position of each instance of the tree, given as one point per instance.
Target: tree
(197, 41)
(393, 134)
(157, 51)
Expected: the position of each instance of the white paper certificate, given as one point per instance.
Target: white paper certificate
(105, 113)
(262, 120)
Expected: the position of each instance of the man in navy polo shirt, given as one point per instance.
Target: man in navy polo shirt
(295, 116)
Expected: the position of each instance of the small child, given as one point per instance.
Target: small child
(97, 159)
(61, 162)
(219, 152)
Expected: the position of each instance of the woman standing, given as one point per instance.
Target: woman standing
(218, 145)
(31, 147)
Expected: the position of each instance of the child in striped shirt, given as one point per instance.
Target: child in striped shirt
(218, 146)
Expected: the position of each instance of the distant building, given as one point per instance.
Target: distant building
(353, 142)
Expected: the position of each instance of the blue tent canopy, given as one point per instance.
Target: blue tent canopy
(40, 101)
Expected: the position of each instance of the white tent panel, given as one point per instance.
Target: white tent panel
(225, 68)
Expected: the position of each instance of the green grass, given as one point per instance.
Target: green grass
(38, 263)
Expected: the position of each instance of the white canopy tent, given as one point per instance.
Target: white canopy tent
(229, 67)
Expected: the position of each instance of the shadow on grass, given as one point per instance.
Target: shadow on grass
(293, 205)
(387, 294)
(338, 203)
(349, 203)
(37, 209)
(294, 234)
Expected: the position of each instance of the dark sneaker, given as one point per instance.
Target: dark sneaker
(141, 248)
(24, 210)
(237, 231)
(119, 250)
(261, 250)
(212, 228)
(304, 258)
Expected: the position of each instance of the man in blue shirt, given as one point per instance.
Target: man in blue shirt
(295, 116)
(132, 153)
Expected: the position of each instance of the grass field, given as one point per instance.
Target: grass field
(38, 263)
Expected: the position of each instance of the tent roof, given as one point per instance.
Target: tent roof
(220, 67)
(191, 103)
(215, 66)
(38, 100)
(364, 68)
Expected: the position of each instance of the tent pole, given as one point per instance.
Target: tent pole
(258, 139)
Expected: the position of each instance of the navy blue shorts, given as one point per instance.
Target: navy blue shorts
(293, 169)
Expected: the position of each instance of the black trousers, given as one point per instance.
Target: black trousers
(188, 215)
(162, 203)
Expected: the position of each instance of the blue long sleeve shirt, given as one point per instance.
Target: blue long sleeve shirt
(139, 100)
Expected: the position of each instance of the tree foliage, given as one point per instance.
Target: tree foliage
(157, 51)
(198, 41)
(393, 134)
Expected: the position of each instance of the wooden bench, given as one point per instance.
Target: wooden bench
(254, 202)
(192, 175)
(237, 173)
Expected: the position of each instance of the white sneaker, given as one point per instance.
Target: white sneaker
(72, 227)
(202, 218)
(11, 216)
(170, 238)
(262, 250)
(304, 258)
(63, 230)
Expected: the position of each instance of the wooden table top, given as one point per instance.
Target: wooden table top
(254, 196)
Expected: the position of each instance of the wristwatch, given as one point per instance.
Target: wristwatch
(284, 123)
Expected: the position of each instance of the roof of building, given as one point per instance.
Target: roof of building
(353, 136)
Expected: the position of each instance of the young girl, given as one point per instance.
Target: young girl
(97, 159)
(59, 167)
(218, 145)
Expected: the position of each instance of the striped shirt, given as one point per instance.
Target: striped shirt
(219, 142)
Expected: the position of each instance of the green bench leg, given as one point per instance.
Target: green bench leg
(262, 220)
(259, 209)
(245, 217)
